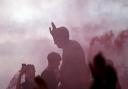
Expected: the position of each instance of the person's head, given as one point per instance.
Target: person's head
(99, 60)
(40, 83)
(60, 35)
(53, 59)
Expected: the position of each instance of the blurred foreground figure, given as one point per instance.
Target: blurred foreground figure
(104, 75)
(40, 83)
(51, 73)
(29, 72)
(24, 79)
(74, 73)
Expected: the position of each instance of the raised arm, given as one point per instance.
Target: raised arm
(52, 28)
(22, 71)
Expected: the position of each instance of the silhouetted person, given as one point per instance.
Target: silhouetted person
(73, 71)
(104, 75)
(51, 73)
(98, 72)
(29, 72)
(40, 83)
(112, 77)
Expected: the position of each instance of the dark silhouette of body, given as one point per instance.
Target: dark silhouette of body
(51, 73)
(104, 75)
(40, 83)
(73, 71)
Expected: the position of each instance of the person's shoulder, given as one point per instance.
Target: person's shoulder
(74, 43)
(110, 69)
(44, 73)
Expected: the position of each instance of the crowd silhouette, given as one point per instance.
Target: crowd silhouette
(73, 73)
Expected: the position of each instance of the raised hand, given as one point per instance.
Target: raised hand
(23, 69)
(53, 27)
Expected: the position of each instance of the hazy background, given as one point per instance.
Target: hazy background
(24, 33)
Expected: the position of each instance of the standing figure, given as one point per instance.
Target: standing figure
(74, 73)
(51, 73)
(104, 75)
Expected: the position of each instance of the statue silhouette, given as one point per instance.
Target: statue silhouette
(74, 72)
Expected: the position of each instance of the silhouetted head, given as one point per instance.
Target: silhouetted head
(99, 60)
(54, 59)
(60, 35)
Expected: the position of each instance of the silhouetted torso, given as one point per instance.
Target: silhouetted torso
(111, 77)
(98, 78)
(28, 84)
(74, 72)
(51, 78)
(40, 83)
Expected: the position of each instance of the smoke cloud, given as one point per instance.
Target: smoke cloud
(24, 33)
